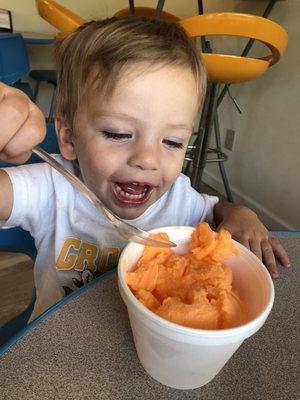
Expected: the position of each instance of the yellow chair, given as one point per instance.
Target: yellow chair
(222, 68)
(61, 17)
(147, 12)
(67, 21)
(227, 69)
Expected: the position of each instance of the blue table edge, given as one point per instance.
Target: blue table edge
(79, 291)
(55, 307)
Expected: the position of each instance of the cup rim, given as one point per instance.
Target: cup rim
(235, 331)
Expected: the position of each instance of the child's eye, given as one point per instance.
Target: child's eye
(173, 144)
(116, 136)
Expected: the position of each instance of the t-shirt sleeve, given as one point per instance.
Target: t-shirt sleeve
(32, 191)
(199, 206)
(203, 207)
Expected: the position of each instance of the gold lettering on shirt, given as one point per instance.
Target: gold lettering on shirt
(88, 257)
(78, 255)
(68, 254)
(109, 258)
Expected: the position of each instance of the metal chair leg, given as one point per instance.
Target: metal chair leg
(52, 105)
(202, 148)
(36, 90)
(221, 163)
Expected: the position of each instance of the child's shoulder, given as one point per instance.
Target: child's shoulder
(181, 188)
(183, 180)
(38, 173)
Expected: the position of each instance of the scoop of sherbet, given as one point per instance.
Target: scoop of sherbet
(193, 289)
(144, 277)
(200, 314)
(202, 241)
(151, 253)
(147, 299)
(233, 310)
(205, 243)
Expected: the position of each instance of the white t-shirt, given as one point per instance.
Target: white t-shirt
(75, 242)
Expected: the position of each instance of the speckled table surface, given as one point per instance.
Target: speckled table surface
(84, 350)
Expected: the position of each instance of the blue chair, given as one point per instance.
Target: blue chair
(45, 75)
(17, 240)
(14, 62)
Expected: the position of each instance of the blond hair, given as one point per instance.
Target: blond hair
(109, 46)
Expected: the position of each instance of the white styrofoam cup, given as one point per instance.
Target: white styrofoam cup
(187, 358)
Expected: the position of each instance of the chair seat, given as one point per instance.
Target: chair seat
(223, 68)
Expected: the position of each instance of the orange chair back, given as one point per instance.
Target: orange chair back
(222, 68)
(147, 12)
(61, 17)
(67, 21)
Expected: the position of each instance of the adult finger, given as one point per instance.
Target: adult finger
(242, 240)
(255, 247)
(269, 258)
(280, 252)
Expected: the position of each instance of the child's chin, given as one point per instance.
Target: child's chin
(131, 212)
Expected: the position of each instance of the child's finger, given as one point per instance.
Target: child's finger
(14, 111)
(19, 159)
(269, 258)
(29, 135)
(280, 252)
(23, 127)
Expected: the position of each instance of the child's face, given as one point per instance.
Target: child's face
(131, 147)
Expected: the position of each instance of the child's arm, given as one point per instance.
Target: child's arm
(22, 127)
(246, 228)
(6, 196)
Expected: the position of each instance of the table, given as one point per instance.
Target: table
(83, 349)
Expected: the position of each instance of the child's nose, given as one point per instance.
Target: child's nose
(145, 156)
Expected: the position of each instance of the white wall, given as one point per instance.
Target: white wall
(264, 167)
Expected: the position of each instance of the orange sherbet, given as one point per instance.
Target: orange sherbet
(194, 289)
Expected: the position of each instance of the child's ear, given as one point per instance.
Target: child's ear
(65, 139)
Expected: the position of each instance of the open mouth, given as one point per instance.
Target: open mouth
(132, 194)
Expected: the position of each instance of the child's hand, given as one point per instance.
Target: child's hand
(247, 229)
(22, 125)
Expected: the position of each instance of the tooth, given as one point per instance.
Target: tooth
(131, 196)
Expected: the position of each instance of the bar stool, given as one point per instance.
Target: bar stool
(146, 12)
(221, 68)
(62, 18)
(48, 76)
(66, 21)
(228, 69)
